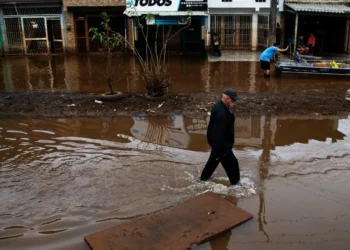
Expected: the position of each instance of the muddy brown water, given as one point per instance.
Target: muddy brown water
(62, 179)
(193, 74)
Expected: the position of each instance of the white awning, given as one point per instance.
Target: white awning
(165, 13)
(320, 8)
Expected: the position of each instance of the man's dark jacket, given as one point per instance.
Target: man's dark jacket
(220, 133)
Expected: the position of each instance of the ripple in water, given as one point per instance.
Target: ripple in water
(218, 185)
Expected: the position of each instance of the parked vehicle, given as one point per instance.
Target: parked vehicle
(320, 68)
(215, 44)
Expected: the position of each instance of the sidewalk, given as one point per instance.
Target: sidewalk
(249, 56)
(235, 56)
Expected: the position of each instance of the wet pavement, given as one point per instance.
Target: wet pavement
(240, 71)
(62, 179)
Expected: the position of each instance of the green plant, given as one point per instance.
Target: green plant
(153, 61)
(109, 40)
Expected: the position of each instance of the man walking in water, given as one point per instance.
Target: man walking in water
(267, 55)
(221, 137)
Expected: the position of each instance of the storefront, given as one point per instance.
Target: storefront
(169, 17)
(328, 22)
(28, 28)
(241, 24)
(80, 16)
(85, 18)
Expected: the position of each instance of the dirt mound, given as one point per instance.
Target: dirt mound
(188, 104)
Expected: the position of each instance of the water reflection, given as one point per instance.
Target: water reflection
(171, 132)
(48, 158)
(264, 161)
(288, 134)
(175, 131)
(77, 73)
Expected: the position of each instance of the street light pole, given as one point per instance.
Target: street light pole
(272, 22)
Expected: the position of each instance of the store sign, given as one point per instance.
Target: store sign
(166, 5)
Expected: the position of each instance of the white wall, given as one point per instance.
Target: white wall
(235, 4)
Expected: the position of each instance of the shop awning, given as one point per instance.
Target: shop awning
(165, 13)
(319, 8)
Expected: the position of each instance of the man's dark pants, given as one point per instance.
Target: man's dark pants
(228, 161)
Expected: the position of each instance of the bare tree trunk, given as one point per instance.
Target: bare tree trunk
(110, 85)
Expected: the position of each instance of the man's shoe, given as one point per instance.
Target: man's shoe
(236, 184)
(198, 180)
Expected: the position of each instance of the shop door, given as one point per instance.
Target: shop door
(263, 29)
(245, 25)
(35, 35)
(225, 27)
(192, 36)
(55, 36)
(82, 42)
(14, 35)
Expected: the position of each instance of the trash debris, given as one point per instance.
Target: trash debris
(160, 105)
(211, 212)
(347, 98)
(71, 105)
(114, 110)
(97, 101)
(209, 113)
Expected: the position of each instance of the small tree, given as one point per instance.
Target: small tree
(109, 40)
(153, 61)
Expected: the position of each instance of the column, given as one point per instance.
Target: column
(70, 30)
(347, 42)
(282, 25)
(130, 32)
(255, 32)
(237, 24)
(207, 40)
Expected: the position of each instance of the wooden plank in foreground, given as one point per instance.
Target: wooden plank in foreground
(178, 227)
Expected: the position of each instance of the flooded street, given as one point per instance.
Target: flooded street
(62, 179)
(188, 74)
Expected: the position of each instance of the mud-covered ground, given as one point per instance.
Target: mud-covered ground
(189, 104)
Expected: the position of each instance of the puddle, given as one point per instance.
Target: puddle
(61, 179)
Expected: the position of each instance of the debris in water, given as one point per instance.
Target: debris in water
(71, 105)
(97, 101)
(199, 228)
(160, 105)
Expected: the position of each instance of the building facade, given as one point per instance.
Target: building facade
(31, 27)
(168, 19)
(82, 15)
(328, 20)
(59, 26)
(241, 24)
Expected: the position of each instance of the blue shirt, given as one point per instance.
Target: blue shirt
(268, 53)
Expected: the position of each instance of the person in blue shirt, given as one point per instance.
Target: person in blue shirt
(266, 57)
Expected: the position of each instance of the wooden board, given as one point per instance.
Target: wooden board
(195, 221)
